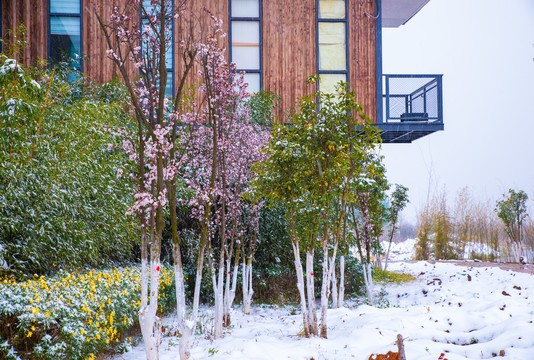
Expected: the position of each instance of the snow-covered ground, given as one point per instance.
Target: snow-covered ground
(463, 312)
(404, 250)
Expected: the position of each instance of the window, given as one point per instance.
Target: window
(245, 40)
(332, 54)
(65, 31)
(169, 55)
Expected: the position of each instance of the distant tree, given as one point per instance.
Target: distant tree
(443, 228)
(424, 232)
(399, 200)
(512, 210)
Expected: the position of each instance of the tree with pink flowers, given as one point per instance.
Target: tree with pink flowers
(142, 43)
(211, 146)
(219, 157)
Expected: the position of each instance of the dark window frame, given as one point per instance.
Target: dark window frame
(345, 20)
(255, 19)
(78, 15)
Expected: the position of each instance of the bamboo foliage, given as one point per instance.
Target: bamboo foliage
(471, 229)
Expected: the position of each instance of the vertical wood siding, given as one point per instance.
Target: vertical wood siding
(33, 15)
(362, 54)
(288, 49)
(96, 63)
(288, 35)
(201, 22)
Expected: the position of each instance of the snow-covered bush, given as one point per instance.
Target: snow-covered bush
(72, 315)
(61, 203)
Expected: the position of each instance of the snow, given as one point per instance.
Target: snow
(404, 250)
(463, 312)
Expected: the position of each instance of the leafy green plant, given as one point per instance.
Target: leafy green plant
(61, 204)
(392, 277)
(512, 210)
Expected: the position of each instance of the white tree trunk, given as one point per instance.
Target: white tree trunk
(218, 287)
(387, 256)
(341, 297)
(149, 322)
(378, 260)
(310, 287)
(324, 291)
(185, 326)
(247, 287)
(335, 304)
(300, 286)
(368, 280)
(229, 291)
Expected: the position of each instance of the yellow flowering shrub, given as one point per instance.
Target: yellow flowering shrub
(72, 315)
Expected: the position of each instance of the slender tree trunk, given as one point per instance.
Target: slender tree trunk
(300, 286)
(310, 287)
(387, 255)
(334, 282)
(368, 279)
(324, 291)
(247, 286)
(198, 279)
(378, 260)
(184, 326)
(341, 297)
(246, 307)
(218, 292)
(229, 294)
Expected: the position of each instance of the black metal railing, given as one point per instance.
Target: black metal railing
(412, 99)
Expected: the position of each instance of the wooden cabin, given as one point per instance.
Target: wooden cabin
(278, 44)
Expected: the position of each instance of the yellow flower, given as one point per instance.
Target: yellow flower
(35, 311)
(47, 314)
(29, 334)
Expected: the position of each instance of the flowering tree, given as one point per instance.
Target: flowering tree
(220, 152)
(143, 41)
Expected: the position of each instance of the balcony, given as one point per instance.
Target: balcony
(412, 107)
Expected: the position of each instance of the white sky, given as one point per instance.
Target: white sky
(485, 49)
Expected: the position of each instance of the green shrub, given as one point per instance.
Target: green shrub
(61, 203)
(385, 276)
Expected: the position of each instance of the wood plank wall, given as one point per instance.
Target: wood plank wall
(96, 63)
(288, 49)
(362, 54)
(197, 15)
(289, 42)
(33, 14)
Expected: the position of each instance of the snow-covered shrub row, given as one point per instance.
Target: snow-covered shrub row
(72, 315)
(61, 203)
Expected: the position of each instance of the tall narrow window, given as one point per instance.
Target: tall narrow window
(245, 40)
(332, 54)
(65, 31)
(169, 55)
